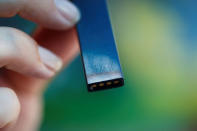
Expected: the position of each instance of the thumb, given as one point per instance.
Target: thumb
(53, 14)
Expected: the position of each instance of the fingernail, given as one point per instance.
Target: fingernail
(9, 106)
(68, 10)
(50, 59)
(41, 71)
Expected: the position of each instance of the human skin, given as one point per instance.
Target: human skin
(27, 64)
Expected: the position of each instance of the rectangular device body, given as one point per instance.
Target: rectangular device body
(97, 44)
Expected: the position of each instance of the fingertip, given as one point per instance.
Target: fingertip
(9, 106)
(20, 54)
(63, 43)
(42, 72)
(69, 11)
(51, 14)
(50, 59)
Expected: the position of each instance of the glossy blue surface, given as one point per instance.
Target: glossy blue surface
(97, 41)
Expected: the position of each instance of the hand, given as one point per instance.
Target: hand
(26, 64)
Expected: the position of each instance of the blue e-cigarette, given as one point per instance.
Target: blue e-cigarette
(97, 44)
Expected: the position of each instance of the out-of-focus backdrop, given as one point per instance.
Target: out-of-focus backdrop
(157, 43)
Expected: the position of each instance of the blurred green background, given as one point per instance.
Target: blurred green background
(156, 40)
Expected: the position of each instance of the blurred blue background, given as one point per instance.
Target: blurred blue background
(157, 43)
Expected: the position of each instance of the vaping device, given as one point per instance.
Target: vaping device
(97, 45)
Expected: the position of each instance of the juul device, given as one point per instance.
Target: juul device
(97, 44)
